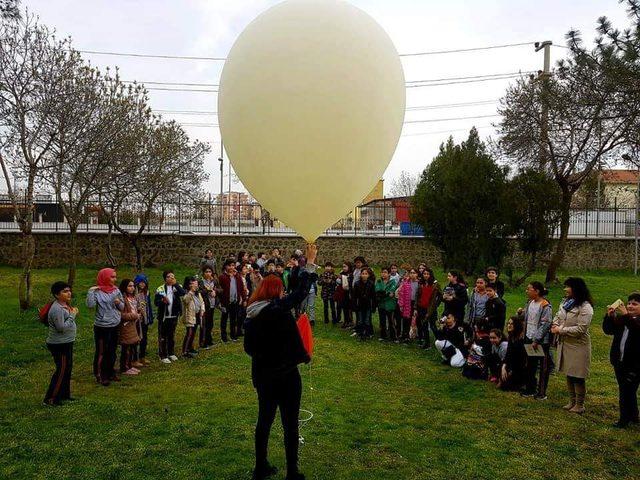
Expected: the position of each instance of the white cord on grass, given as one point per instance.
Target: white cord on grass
(303, 421)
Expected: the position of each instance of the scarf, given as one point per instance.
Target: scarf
(568, 304)
(104, 280)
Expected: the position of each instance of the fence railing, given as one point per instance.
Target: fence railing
(383, 218)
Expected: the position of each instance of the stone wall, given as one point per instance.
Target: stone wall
(51, 249)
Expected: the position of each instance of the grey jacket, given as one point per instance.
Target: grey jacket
(543, 322)
(62, 325)
(107, 313)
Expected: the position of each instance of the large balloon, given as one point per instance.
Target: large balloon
(311, 107)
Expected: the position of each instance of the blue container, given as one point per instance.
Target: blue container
(411, 229)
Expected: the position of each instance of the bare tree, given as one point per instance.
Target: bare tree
(94, 115)
(405, 185)
(592, 111)
(10, 9)
(33, 68)
(169, 166)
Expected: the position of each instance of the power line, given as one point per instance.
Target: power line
(409, 109)
(411, 82)
(439, 132)
(221, 59)
(462, 50)
(432, 120)
(451, 119)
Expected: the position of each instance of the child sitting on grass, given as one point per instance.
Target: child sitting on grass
(450, 342)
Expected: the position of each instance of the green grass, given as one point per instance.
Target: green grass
(382, 411)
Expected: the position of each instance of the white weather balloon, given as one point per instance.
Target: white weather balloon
(311, 107)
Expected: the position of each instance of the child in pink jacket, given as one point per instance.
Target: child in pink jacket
(404, 304)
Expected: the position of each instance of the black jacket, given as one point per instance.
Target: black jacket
(516, 358)
(363, 296)
(615, 326)
(271, 336)
(178, 293)
(499, 286)
(496, 312)
(454, 335)
(456, 306)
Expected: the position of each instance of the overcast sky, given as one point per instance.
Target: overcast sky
(209, 28)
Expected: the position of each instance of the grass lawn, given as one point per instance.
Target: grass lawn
(382, 411)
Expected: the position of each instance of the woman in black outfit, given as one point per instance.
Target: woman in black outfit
(274, 344)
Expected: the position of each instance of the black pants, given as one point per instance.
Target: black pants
(330, 303)
(187, 343)
(167, 336)
(140, 350)
(343, 310)
(283, 393)
(628, 382)
(206, 328)
(495, 365)
(538, 370)
(387, 324)
(104, 359)
(230, 314)
(60, 385)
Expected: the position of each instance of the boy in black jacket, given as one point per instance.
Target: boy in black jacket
(624, 324)
(496, 309)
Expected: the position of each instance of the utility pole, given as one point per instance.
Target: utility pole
(221, 160)
(544, 76)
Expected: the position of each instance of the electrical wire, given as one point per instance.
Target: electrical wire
(440, 132)
(409, 109)
(222, 59)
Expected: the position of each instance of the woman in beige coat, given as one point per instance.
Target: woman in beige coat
(192, 312)
(571, 328)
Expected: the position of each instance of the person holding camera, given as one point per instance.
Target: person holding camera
(624, 324)
(168, 300)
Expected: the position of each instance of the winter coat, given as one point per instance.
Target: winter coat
(363, 295)
(496, 312)
(225, 283)
(190, 312)
(144, 297)
(272, 339)
(176, 306)
(543, 322)
(128, 331)
(430, 301)
(328, 284)
(457, 304)
(385, 295)
(404, 299)
(616, 326)
(574, 342)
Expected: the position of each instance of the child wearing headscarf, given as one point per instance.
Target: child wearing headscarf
(108, 303)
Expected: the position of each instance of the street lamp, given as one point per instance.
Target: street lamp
(627, 158)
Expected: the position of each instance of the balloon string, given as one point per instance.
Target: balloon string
(309, 413)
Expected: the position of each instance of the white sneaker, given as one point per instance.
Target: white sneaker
(354, 334)
(165, 360)
(173, 358)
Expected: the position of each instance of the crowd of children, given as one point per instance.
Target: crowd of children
(469, 326)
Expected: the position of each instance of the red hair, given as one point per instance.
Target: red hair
(270, 288)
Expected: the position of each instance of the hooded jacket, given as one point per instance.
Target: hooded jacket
(144, 297)
(271, 336)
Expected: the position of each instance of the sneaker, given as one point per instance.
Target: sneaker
(137, 364)
(493, 379)
(187, 355)
(173, 358)
(131, 371)
(105, 383)
(136, 371)
(165, 360)
(526, 394)
(146, 362)
(381, 339)
(50, 403)
(540, 397)
(193, 352)
(208, 347)
(234, 340)
(354, 334)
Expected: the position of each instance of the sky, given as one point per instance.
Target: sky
(210, 27)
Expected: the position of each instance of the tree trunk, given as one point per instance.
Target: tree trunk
(110, 258)
(73, 264)
(28, 255)
(533, 261)
(558, 256)
(136, 247)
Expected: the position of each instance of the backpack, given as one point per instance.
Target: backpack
(43, 313)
